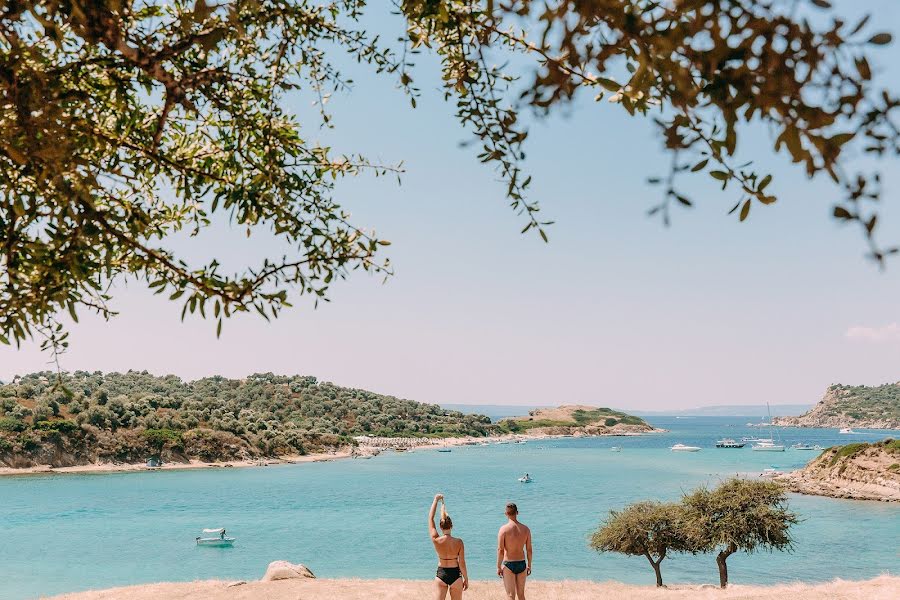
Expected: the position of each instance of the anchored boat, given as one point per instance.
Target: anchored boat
(683, 448)
(215, 537)
(729, 443)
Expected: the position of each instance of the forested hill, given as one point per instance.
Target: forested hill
(127, 417)
(872, 407)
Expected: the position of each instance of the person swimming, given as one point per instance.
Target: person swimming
(514, 554)
(452, 574)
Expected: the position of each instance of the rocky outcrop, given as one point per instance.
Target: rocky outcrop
(282, 569)
(854, 471)
(844, 406)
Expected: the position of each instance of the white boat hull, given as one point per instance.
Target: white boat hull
(215, 542)
(768, 448)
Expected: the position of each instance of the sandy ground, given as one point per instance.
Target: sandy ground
(194, 464)
(881, 588)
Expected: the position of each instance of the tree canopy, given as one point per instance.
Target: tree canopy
(648, 529)
(739, 515)
(124, 122)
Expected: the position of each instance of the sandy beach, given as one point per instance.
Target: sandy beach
(365, 450)
(175, 466)
(880, 588)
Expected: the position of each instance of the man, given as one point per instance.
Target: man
(513, 543)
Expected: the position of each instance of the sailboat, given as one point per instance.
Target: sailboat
(768, 445)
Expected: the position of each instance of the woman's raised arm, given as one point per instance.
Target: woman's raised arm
(431, 528)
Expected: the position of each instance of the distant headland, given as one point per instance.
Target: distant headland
(844, 406)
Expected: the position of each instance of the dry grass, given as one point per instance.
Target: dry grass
(880, 588)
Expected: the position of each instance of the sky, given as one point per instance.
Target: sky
(616, 310)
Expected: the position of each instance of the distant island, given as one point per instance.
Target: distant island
(866, 407)
(576, 420)
(856, 471)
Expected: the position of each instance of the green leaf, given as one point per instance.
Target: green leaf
(700, 165)
(720, 175)
(745, 210)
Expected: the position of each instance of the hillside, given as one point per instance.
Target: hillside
(577, 420)
(128, 417)
(858, 406)
(858, 471)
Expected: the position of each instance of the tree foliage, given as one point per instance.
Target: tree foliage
(739, 515)
(125, 122)
(648, 529)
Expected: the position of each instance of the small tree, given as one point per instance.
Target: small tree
(738, 515)
(649, 529)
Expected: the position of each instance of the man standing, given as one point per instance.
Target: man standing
(513, 543)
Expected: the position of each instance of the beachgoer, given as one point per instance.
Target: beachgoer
(451, 572)
(514, 554)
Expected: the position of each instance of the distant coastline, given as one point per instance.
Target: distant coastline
(368, 448)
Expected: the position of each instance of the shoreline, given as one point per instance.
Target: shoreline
(883, 587)
(362, 451)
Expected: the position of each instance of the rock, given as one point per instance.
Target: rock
(237, 583)
(282, 569)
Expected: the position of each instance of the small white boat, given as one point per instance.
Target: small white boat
(750, 439)
(803, 447)
(768, 473)
(616, 449)
(729, 443)
(767, 446)
(216, 538)
(846, 430)
(683, 448)
(526, 478)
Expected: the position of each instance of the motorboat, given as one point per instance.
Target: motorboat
(729, 443)
(846, 430)
(526, 478)
(803, 447)
(215, 538)
(616, 449)
(444, 450)
(770, 473)
(683, 448)
(750, 439)
(767, 446)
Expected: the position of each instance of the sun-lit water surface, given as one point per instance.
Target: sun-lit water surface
(367, 518)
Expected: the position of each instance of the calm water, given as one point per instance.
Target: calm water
(367, 518)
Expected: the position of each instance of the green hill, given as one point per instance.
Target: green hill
(126, 417)
(873, 407)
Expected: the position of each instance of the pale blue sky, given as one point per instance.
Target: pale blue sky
(616, 310)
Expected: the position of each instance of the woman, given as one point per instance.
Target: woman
(451, 573)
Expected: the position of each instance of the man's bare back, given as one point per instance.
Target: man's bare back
(514, 554)
(513, 537)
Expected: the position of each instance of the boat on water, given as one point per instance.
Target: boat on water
(683, 448)
(768, 473)
(729, 443)
(215, 538)
(768, 444)
(444, 450)
(526, 478)
(616, 449)
(750, 439)
(800, 446)
(846, 430)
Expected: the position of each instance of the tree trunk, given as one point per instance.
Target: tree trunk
(723, 566)
(656, 569)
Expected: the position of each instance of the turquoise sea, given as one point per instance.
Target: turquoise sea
(367, 518)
